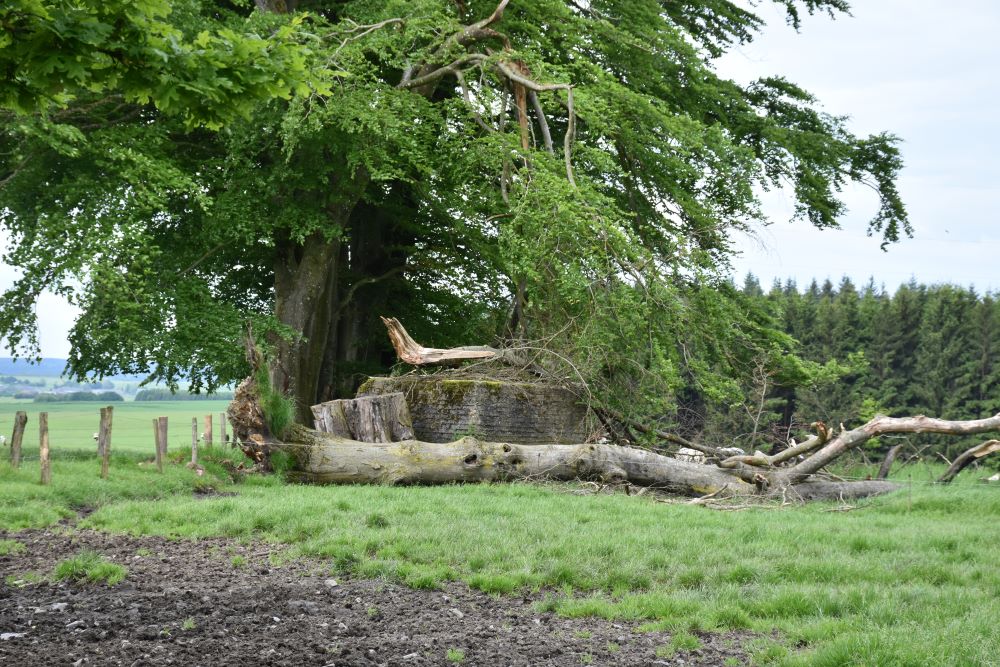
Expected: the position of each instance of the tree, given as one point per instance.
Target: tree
(560, 171)
(55, 52)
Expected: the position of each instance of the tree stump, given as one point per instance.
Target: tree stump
(382, 418)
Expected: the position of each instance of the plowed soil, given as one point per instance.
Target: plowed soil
(215, 603)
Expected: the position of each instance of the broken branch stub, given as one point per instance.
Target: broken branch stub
(415, 354)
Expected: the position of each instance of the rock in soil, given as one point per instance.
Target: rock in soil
(188, 603)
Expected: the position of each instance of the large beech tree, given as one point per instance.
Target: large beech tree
(568, 172)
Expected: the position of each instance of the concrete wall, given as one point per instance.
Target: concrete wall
(445, 410)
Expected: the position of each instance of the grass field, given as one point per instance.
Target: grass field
(908, 579)
(72, 424)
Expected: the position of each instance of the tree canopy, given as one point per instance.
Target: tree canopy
(566, 174)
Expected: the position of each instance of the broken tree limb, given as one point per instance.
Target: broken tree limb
(414, 353)
(880, 425)
(763, 460)
(967, 457)
(890, 458)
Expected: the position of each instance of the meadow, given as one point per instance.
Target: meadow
(906, 579)
(72, 425)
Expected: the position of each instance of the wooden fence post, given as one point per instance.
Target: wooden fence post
(156, 440)
(162, 431)
(222, 429)
(208, 430)
(20, 419)
(194, 441)
(104, 439)
(43, 447)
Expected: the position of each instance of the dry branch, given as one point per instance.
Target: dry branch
(881, 425)
(890, 458)
(763, 460)
(967, 457)
(412, 352)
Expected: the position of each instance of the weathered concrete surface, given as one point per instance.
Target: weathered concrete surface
(444, 410)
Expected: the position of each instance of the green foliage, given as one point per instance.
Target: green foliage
(54, 52)
(163, 394)
(455, 655)
(278, 409)
(91, 567)
(425, 201)
(78, 396)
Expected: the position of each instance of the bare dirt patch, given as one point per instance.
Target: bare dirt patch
(214, 602)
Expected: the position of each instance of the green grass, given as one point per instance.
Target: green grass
(76, 484)
(907, 579)
(90, 567)
(455, 655)
(11, 547)
(72, 425)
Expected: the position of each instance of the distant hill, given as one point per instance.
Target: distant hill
(47, 368)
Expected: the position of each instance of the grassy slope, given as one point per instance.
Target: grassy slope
(72, 425)
(908, 579)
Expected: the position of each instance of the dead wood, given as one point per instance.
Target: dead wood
(967, 457)
(880, 425)
(383, 418)
(414, 353)
(890, 458)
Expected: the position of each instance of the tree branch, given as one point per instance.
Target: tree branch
(881, 425)
(967, 457)
(542, 123)
(450, 68)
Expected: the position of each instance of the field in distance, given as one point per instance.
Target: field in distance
(72, 425)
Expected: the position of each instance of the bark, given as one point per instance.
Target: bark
(890, 458)
(823, 490)
(328, 459)
(880, 425)
(383, 418)
(303, 278)
(967, 457)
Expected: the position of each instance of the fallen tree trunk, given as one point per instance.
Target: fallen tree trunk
(326, 458)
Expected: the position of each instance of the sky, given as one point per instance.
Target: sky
(927, 72)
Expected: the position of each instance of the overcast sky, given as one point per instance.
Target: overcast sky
(926, 72)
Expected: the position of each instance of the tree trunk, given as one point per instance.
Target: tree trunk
(304, 275)
(328, 459)
(384, 418)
